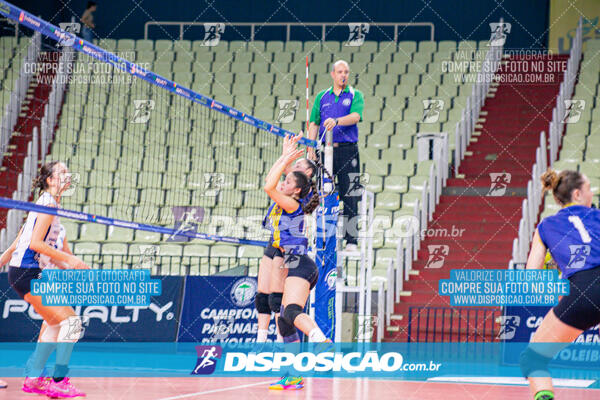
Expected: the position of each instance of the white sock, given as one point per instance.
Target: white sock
(316, 335)
(279, 338)
(261, 335)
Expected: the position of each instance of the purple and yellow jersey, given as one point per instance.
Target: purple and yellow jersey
(572, 236)
(287, 229)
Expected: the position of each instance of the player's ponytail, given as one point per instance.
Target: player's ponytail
(561, 184)
(314, 201)
(307, 186)
(41, 181)
(549, 180)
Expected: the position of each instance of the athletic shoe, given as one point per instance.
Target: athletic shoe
(35, 385)
(288, 383)
(3, 385)
(63, 388)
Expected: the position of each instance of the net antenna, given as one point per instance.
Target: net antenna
(307, 106)
(326, 181)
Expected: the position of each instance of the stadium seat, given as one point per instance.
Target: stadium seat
(163, 46)
(386, 48)
(374, 184)
(427, 47)
(85, 248)
(447, 46)
(250, 251)
(144, 45)
(387, 201)
(72, 230)
(407, 47)
(253, 76)
(125, 44)
(396, 183)
(116, 234)
(467, 45)
(401, 141)
(147, 237)
(274, 46)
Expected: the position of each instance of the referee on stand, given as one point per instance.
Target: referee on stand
(339, 108)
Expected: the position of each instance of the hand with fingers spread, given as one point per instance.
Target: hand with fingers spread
(290, 143)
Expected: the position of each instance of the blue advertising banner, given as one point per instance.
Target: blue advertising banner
(156, 322)
(220, 309)
(326, 260)
(518, 324)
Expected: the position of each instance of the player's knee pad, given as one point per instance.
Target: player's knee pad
(275, 302)
(285, 328)
(71, 330)
(291, 312)
(262, 303)
(50, 334)
(534, 364)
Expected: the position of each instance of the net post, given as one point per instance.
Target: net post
(328, 159)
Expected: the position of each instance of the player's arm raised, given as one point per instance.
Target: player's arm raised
(289, 145)
(286, 202)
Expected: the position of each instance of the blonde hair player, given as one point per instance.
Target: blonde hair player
(572, 236)
(41, 243)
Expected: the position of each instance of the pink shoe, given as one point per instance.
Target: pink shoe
(63, 388)
(35, 385)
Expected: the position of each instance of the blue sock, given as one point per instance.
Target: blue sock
(37, 361)
(63, 355)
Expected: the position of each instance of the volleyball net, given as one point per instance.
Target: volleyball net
(152, 160)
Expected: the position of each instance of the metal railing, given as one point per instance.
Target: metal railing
(532, 203)
(466, 126)
(451, 324)
(566, 90)
(11, 114)
(407, 247)
(398, 270)
(12, 109)
(361, 284)
(288, 26)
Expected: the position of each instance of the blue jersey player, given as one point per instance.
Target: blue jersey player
(271, 274)
(286, 220)
(572, 236)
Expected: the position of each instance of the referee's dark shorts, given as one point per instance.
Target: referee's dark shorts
(346, 167)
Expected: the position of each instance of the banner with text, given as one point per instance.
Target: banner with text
(220, 309)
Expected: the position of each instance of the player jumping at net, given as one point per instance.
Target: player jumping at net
(572, 237)
(41, 243)
(271, 275)
(288, 236)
